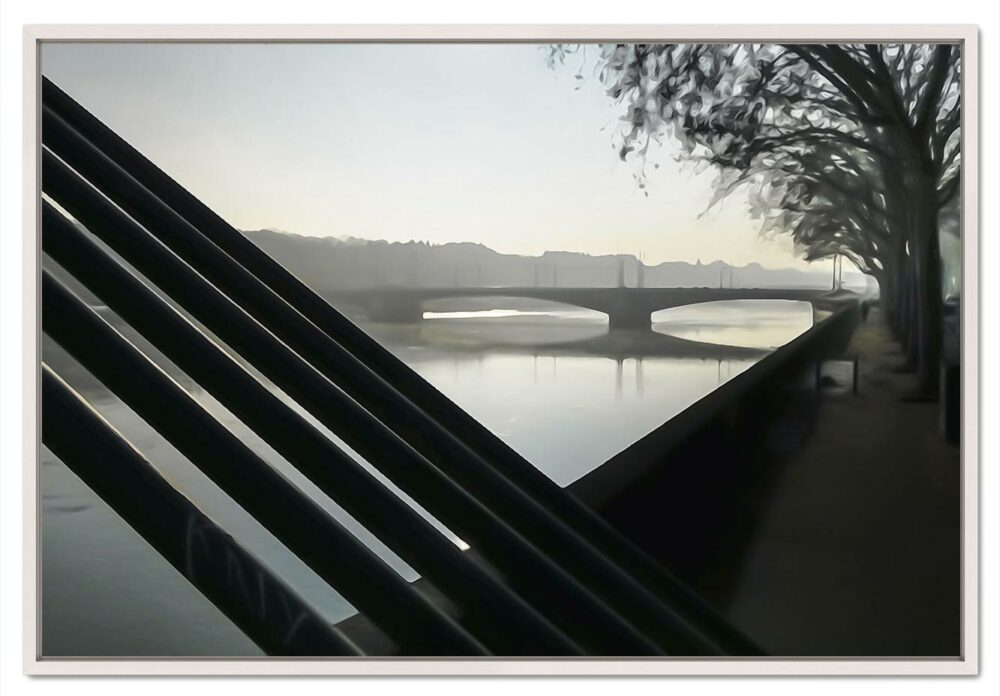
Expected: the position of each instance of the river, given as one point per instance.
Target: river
(546, 379)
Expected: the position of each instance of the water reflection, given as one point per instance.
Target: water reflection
(554, 384)
(765, 324)
(569, 414)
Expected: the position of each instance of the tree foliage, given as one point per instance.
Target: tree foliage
(851, 149)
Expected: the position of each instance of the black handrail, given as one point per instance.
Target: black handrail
(503, 621)
(395, 415)
(346, 564)
(560, 597)
(269, 612)
(606, 539)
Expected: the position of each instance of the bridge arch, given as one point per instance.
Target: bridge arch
(764, 324)
(501, 304)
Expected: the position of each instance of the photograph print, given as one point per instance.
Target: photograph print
(491, 350)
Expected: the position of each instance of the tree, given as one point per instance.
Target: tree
(851, 149)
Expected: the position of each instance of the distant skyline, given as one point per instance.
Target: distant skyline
(434, 142)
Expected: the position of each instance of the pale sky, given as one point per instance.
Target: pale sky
(443, 143)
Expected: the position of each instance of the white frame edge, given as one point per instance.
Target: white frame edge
(967, 665)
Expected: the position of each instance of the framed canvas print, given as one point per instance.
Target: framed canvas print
(518, 350)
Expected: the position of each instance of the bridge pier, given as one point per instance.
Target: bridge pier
(394, 309)
(630, 317)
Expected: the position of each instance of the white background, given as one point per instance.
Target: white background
(13, 15)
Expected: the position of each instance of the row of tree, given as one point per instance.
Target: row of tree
(851, 149)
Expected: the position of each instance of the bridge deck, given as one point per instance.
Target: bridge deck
(627, 308)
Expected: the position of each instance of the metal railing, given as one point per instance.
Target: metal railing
(548, 577)
(268, 611)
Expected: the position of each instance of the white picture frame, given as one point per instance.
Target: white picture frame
(966, 36)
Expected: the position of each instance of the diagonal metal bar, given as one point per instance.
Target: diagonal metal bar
(551, 590)
(502, 620)
(657, 621)
(263, 606)
(298, 522)
(376, 357)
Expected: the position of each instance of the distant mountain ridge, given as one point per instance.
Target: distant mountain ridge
(328, 264)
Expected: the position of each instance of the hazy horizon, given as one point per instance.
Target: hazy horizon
(440, 143)
(349, 240)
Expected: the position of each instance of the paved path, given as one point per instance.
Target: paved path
(857, 550)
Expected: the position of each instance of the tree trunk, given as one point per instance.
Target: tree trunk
(929, 318)
(912, 313)
(906, 313)
(927, 265)
(895, 283)
(887, 294)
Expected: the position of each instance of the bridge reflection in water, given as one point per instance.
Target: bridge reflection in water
(567, 393)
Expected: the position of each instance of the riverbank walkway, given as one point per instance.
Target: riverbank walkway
(857, 551)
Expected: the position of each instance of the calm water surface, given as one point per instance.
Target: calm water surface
(541, 378)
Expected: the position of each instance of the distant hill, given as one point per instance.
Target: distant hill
(327, 263)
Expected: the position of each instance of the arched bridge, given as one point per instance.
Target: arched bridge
(627, 308)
